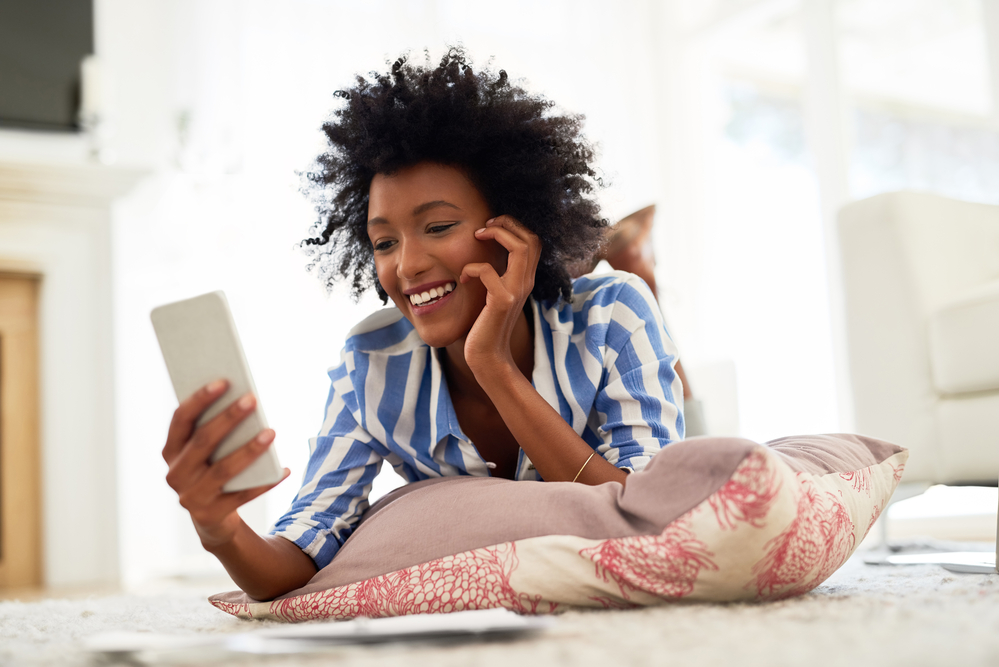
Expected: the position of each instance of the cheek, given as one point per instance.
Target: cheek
(499, 258)
(489, 252)
(385, 276)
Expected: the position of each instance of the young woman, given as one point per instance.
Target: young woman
(463, 199)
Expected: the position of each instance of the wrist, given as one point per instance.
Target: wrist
(493, 373)
(218, 537)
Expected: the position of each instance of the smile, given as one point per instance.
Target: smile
(432, 295)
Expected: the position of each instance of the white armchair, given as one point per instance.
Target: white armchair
(921, 280)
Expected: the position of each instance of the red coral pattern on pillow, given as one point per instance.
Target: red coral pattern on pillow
(861, 480)
(241, 609)
(747, 496)
(897, 472)
(666, 565)
(820, 539)
(767, 533)
(477, 579)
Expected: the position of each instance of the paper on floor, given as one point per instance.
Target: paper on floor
(308, 637)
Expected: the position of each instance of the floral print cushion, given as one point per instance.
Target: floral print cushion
(718, 519)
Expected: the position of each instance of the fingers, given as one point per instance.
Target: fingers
(206, 438)
(187, 413)
(486, 273)
(198, 482)
(515, 227)
(509, 233)
(231, 501)
(196, 452)
(511, 224)
(518, 249)
(523, 245)
(231, 465)
(206, 491)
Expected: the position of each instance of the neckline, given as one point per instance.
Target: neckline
(540, 355)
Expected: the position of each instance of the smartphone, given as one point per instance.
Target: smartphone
(199, 343)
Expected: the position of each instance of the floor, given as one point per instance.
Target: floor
(864, 614)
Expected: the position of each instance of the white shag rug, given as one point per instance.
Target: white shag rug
(864, 615)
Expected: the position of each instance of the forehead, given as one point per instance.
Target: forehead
(403, 191)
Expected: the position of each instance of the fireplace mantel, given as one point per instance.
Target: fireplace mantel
(55, 222)
(66, 184)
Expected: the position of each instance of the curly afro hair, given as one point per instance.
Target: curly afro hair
(527, 160)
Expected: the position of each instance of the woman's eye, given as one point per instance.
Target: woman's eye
(382, 245)
(440, 227)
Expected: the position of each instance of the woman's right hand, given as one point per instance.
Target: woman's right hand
(196, 479)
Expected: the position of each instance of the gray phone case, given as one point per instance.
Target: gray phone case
(199, 343)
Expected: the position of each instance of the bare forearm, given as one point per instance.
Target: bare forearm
(554, 448)
(263, 566)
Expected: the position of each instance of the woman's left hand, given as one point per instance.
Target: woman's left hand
(488, 341)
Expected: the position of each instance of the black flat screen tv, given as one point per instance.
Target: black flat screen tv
(42, 43)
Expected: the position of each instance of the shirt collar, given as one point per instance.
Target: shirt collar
(543, 379)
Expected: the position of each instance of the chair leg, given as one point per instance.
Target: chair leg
(903, 491)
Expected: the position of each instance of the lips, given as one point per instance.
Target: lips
(432, 295)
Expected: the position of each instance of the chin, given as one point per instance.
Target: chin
(437, 338)
(443, 331)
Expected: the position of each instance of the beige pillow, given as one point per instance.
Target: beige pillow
(709, 519)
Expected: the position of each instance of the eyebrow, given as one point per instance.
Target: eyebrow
(422, 208)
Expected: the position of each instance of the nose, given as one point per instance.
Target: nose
(413, 259)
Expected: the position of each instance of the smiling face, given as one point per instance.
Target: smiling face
(422, 222)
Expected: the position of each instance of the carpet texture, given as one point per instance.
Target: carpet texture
(863, 615)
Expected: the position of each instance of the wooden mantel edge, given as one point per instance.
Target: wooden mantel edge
(63, 184)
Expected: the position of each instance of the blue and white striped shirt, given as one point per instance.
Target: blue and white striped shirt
(604, 361)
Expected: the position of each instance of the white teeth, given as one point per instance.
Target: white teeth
(431, 294)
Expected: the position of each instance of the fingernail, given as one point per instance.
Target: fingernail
(246, 402)
(480, 230)
(216, 386)
(264, 438)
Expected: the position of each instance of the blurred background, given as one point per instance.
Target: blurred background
(747, 122)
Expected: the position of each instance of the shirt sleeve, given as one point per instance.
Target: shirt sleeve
(334, 493)
(641, 396)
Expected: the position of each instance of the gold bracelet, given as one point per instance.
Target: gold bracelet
(581, 469)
